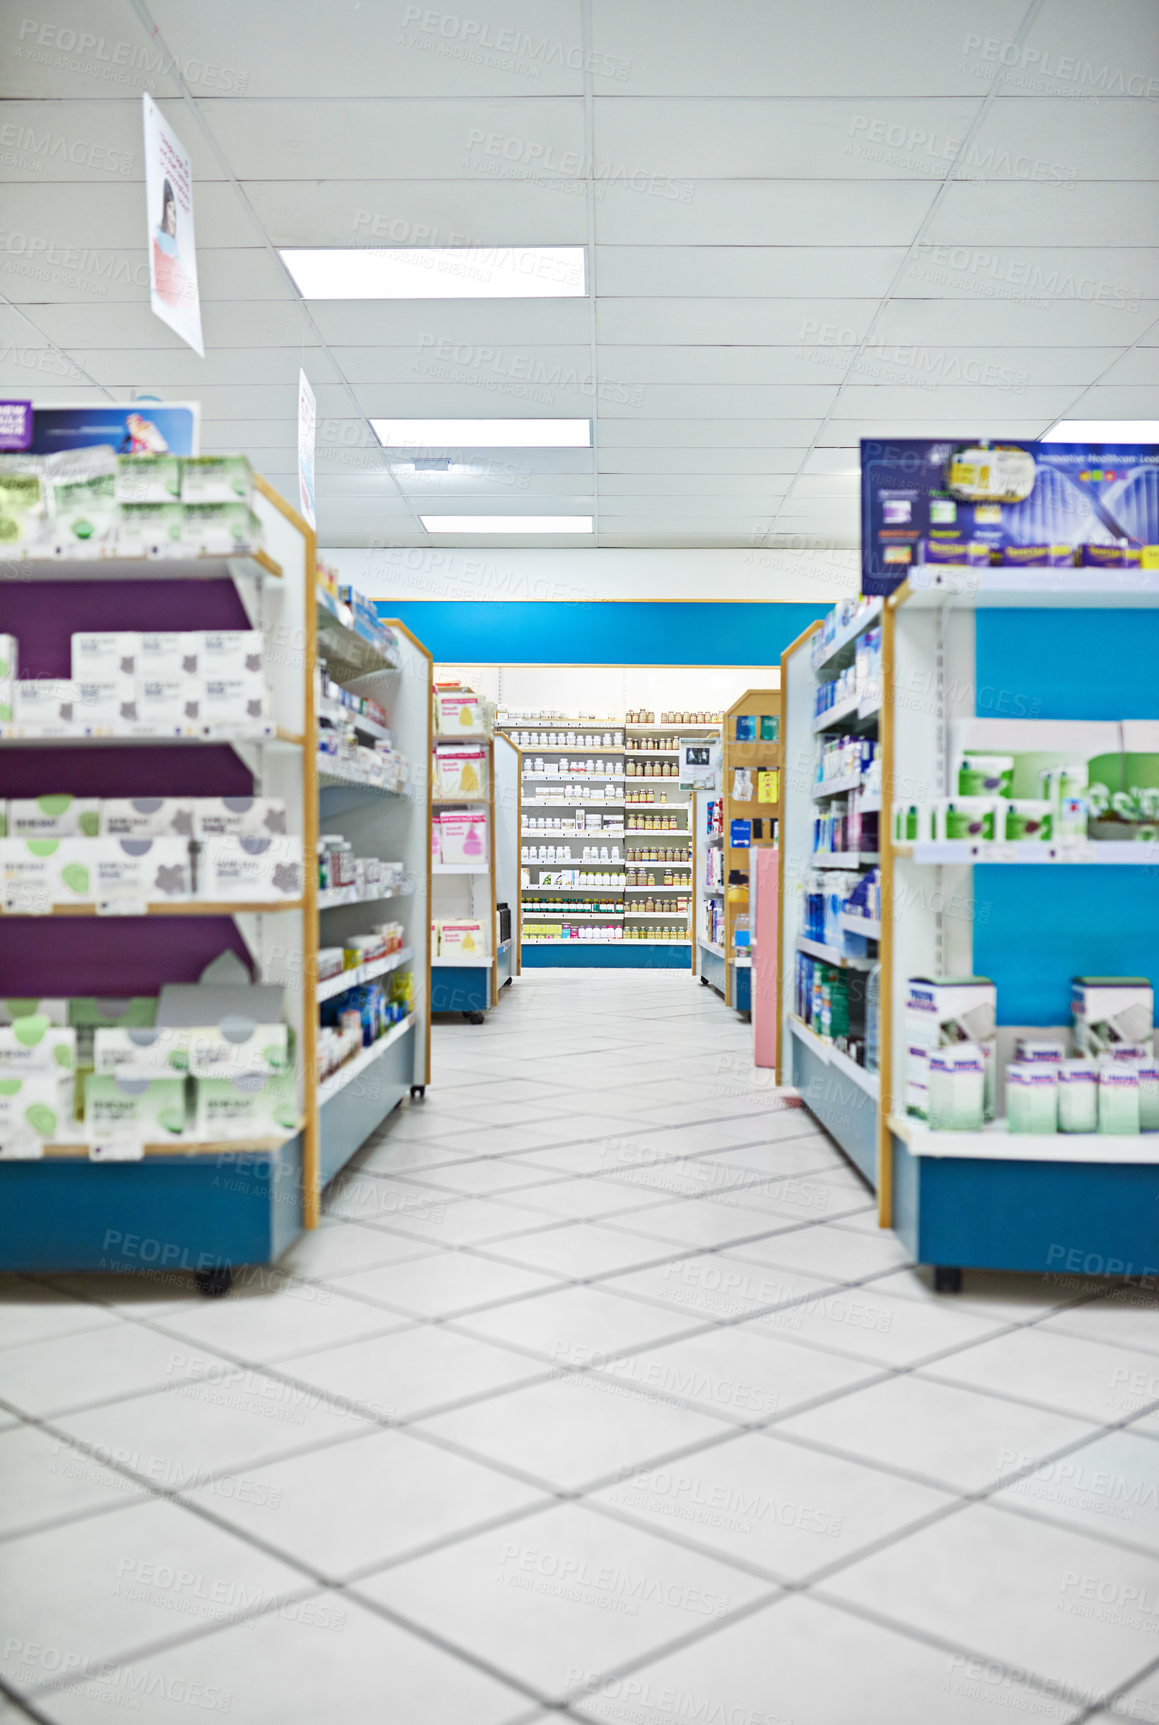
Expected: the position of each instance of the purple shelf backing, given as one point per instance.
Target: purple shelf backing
(184, 770)
(46, 957)
(43, 615)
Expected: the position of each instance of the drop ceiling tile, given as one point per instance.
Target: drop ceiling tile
(473, 138)
(823, 462)
(755, 49)
(1112, 55)
(1117, 277)
(841, 486)
(725, 433)
(489, 364)
(717, 322)
(839, 433)
(702, 506)
(746, 212)
(401, 322)
(1057, 140)
(1140, 366)
(185, 370)
(981, 319)
(1014, 366)
(666, 145)
(673, 462)
(731, 364)
(746, 271)
(353, 51)
(415, 213)
(1032, 214)
(693, 486)
(1116, 401)
(111, 214)
(720, 400)
(468, 489)
(493, 397)
(967, 402)
(51, 55)
(88, 141)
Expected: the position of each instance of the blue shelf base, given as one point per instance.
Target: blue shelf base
(1060, 1218)
(742, 988)
(166, 1213)
(628, 956)
(466, 989)
(848, 1113)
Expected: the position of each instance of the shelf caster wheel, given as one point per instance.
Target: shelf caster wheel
(216, 1282)
(704, 982)
(474, 1017)
(947, 1279)
(418, 1092)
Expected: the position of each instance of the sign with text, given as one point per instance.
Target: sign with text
(173, 292)
(307, 431)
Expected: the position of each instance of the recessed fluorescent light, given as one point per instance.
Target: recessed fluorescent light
(438, 272)
(1104, 431)
(507, 523)
(483, 433)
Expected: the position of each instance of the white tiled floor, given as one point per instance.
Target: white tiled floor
(598, 1396)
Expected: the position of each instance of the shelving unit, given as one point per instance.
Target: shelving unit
(470, 984)
(834, 1086)
(730, 972)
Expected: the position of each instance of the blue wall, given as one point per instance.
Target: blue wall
(634, 632)
(1035, 928)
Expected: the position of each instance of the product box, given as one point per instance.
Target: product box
(44, 706)
(436, 839)
(216, 479)
(246, 817)
(1107, 1010)
(97, 871)
(1032, 1096)
(461, 711)
(152, 530)
(463, 938)
(56, 1011)
(27, 874)
(768, 786)
(140, 1052)
(1028, 818)
(53, 817)
(205, 1051)
(1038, 556)
(97, 655)
(245, 1105)
(147, 817)
(23, 502)
(238, 701)
(165, 654)
(168, 706)
(1116, 556)
(85, 513)
(8, 658)
(982, 775)
(968, 553)
(241, 868)
(1118, 1097)
(148, 479)
(229, 653)
(90, 1012)
(107, 707)
(36, 1045)
(221, 529)
(1148, 1071)
(941, 1012)
(463, 837)
(1078, 1096)
(460, 771)
(151, 1110)
(956, 1085)
(974, 818)
(35, 1105)
(1030, 1051)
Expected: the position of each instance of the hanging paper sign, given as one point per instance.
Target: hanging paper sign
(307, 425)
(172, 251)
(15, 424)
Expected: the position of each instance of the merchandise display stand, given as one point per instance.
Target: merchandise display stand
(842, 1093)
(508, 822)
(395, 826)
(468, 983)
(708, 907)
(758, 756)
(192, 1205)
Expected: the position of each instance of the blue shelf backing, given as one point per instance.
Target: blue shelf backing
(1066, 664)
(465, 989)
(625, 956)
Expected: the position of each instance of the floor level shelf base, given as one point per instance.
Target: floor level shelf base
(847, 1112)
(1055, 1218)
(350, 1114)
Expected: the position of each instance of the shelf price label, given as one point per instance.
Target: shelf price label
(21, 1150)
(117, 1150)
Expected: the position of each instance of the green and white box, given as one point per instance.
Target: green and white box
(1078, 1096)
(239, 1045)
(53, 817)
(976, 819)
(216, 479)
(241, 817)
(158, 1051)
(27, 874)
(93, 1012)
(35, 1105)
(94, 871)
(221, 529)
(148, 479)
(1032, 1096)
(147, 1109)
(1118, 1097)
(957, 1087)
(36, 1045)
(981, 775)
(9, 659)
(940, 1012)
(152, 530)
(56, 1011)
(1108, 1010)
(246, 1105)
(1148, 1071)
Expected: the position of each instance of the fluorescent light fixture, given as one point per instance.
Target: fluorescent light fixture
(483, 433)
(438, 272)
(507, 523)
(1104, 431)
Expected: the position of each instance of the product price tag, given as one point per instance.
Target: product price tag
(1073, 850)
(117, 1150)
(21, 1150)
(1004, 853)
(135, 906)
(27, 901)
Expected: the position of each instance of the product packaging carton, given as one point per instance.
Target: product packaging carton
(1032, 1096)
(35, 1106)
(146, 817)
(44, 706)
(1118, 1097)
(464, 837)
(23, 503)
(98, 655)
(229, 653)
(241, 868)
(1109, 1010)
(165, 654)
(233, 702)
(85, 514)
(956, 1087)
(205, 1051)
(460, 770)
(53, 817)
(36, 1045)
(464, 938)
(1078, 1096)
(9, 663)
(243, 817)
(107, 707)
(27, 874)
(140, 871)
(148, 1109)
(168, 706)
(941, 1012)
(221, 529)
(216, 479)
(245, 1105)
(56, 1011)
(460, 713)
(148, 479)
(151, 530)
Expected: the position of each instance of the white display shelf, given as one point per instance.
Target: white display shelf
(690, 730)
(849, 715)
(460, 868)
(167, 907)
(741, 963)
(681, 942)
(711, 946)
(1062, 851)
(844, 859)
(557, 913)
(995, 1143)
(577, 862)
(362, 973)
(870, 805)
(592, 834)
(509, 726)
(657, 833)
(337, 714)
(842, 650)
(681, 867)
(357, 1065)
(564, 748)
(972, 589)
(604, 890)
(327, 776)
(860, 925)
(570, 778)
(460, 802)
(462, 737)
(660, 887)
(833, 1057)
(481, 961)
(534, 940)
(652, 754)
(252, 565)
(838, 787)
(830, 955)
(267, 736)
(658, 915)
(345, 651)
(332, 897)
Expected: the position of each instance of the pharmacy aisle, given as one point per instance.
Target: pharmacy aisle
(596, 1285)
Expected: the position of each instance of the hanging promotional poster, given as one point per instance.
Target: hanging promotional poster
(133, 428)
(977, 503)
(173, 291)
(307, 434)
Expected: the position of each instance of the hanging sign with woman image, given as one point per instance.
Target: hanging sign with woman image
(172, 254)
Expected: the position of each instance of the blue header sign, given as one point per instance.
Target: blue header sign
(974, 503)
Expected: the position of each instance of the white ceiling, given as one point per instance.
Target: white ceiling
(804, 225)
